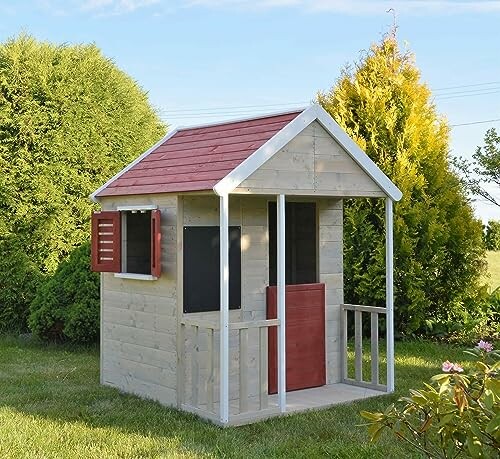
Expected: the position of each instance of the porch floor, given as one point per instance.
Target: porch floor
(324, 396)
(301, 400)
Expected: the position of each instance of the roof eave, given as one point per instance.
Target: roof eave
(96, 193)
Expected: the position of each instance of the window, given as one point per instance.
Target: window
(201, 265)
(300, 243)
(127, 241)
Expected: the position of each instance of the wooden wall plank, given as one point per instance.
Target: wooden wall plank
(243, 392)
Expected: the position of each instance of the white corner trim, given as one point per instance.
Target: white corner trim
(93, 196)
(291, 130)
(144, 207)
(146, 277)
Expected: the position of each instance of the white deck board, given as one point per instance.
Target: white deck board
(296, 401)
(326, 396)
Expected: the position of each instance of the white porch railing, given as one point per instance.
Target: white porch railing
(358, 380)
(199, 367)
(200, 397)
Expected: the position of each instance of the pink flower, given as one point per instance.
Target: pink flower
(484, 346)
(449, 367)
(457, 368)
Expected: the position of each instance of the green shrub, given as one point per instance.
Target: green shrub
(492, 235)
(69, 120)
(18, 282)
(66, 306)
(457, 416)
(469, 321)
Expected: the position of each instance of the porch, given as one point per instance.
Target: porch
(237, 367)
(366, 371)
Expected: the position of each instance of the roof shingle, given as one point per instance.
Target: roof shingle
(195, 159)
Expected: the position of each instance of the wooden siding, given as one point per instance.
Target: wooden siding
(330, 216)
(138, 321)
(140, 318)
(250, 212)
(313, 163)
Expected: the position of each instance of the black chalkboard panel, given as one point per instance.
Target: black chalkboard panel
(202, 268)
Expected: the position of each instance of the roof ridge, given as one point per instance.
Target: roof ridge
(242, 120)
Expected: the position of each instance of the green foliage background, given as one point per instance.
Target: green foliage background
(66, 306)
(439, 255)
(492, 235)
(69, 120)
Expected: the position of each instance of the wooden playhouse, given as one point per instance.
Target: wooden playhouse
(220, 250)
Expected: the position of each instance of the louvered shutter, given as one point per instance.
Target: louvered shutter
(106, 242)
(155, 243)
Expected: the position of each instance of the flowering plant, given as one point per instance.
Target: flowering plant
(457, 416)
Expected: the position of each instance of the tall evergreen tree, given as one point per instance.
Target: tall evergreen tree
(439, 255)
(69, 119)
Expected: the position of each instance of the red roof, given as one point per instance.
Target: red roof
(197, 158)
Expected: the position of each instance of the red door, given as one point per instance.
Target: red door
(305, 337)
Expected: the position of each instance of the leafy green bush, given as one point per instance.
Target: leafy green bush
(492, 235)
(66, 306)
(69, 120)
(18, 282)
(457, 416)
(469, 320)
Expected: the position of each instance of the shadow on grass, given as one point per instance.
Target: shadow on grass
(60, 384)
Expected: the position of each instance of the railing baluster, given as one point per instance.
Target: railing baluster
(195, 376)
(374, 347)
(243, 370)
(263, 368)
(358, 346)
(181, 363)
(343, 353)
(210, 377)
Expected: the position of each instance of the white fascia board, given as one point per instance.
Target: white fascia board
(93, 196)
(364, 161)
(291, 130)
(265, 152)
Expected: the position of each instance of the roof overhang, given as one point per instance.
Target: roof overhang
(95, 194)
(314, 113)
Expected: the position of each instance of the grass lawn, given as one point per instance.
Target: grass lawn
(493, 259)
(52, 406)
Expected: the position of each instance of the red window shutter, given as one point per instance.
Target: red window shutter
(106, 242)
(155, 243)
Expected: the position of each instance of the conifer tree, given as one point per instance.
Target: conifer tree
(69, 120)
(439, 256)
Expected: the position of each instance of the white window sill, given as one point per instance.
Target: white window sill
(146, 277)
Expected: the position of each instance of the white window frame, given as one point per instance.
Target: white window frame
(123, 219)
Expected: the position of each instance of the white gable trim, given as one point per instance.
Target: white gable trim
(93, 196)
(290, 131)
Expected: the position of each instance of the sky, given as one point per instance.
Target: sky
(207, 60)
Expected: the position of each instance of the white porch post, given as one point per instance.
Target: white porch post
(281, 302)
(389, 292)
(224, 309)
